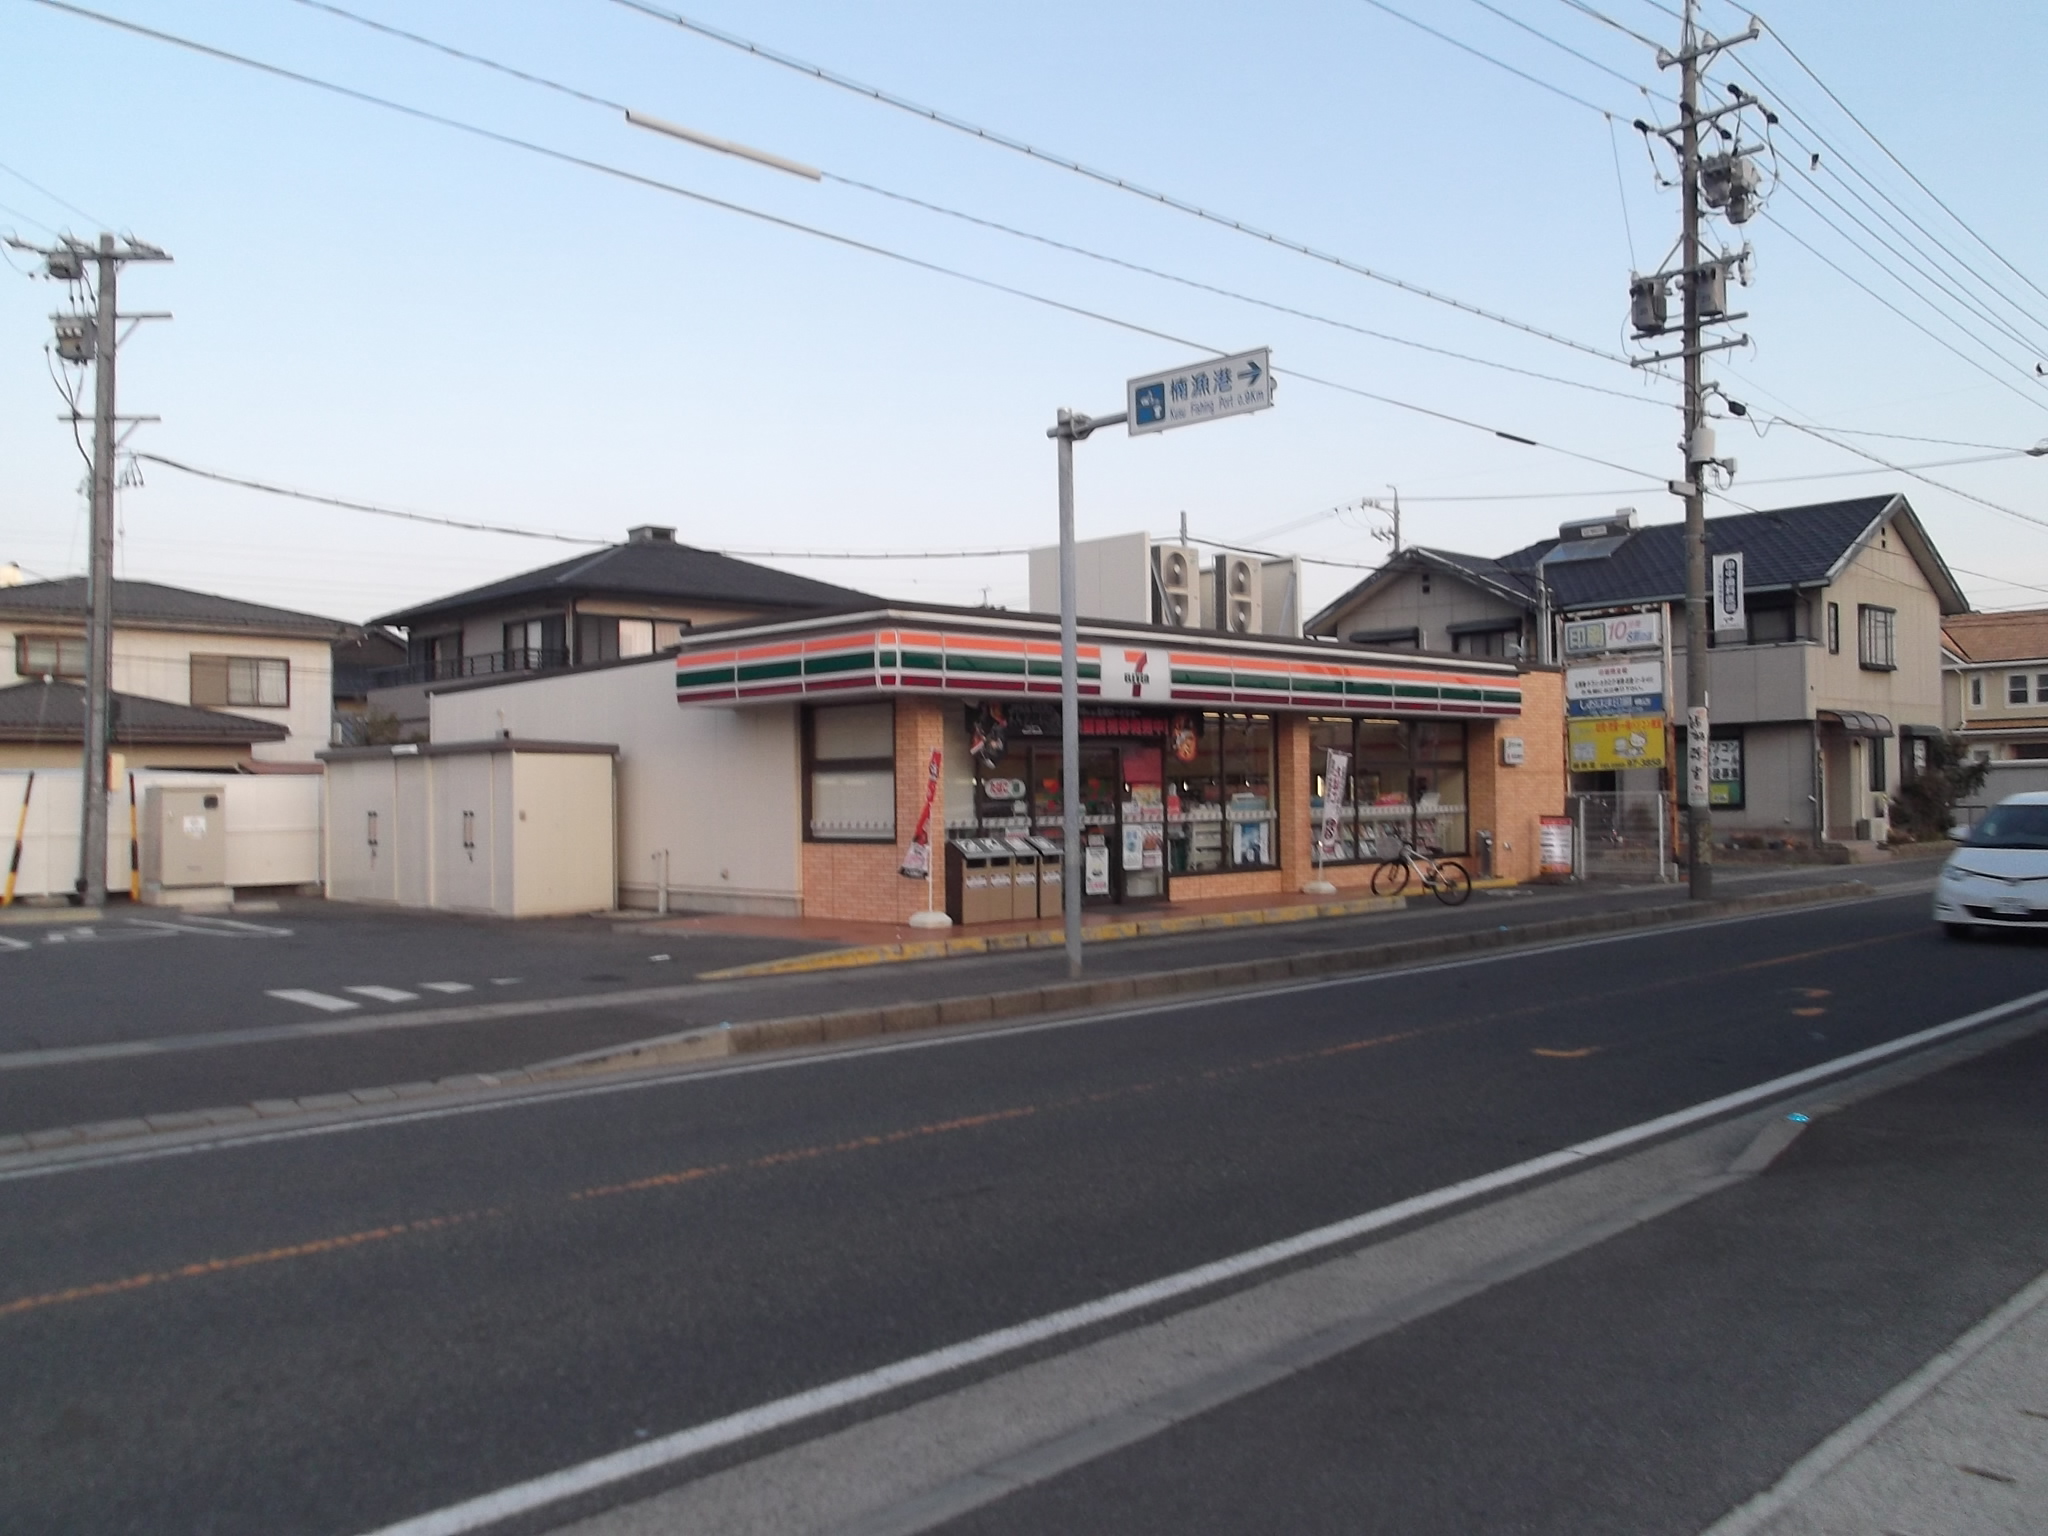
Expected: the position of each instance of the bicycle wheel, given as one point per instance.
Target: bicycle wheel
(1451, 885)
(1391, 878)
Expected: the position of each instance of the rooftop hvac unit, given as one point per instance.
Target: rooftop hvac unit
(1238, 605)
(1175, 602)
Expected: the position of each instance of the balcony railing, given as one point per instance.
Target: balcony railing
(483, 664)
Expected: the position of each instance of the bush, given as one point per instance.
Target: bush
(1924, 807)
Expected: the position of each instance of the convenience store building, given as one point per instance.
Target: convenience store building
(782, 766)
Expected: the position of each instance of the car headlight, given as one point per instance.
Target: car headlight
(1950, 872)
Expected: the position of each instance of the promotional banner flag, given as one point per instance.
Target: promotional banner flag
(1336, 786)
(917, 859)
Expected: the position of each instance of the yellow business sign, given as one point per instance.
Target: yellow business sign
(1617, 741)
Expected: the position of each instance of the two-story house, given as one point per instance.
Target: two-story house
(1813, 705)
(1995, 683)
(624, 600)
(199, 680)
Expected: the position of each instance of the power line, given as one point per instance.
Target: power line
(371, 508)
(796, 226)
(1105, 178)
(998, 226)
(1540, 35)
(1865, 453)
(1479, 53)
(53, 197)
(1779, 38)
(1608, 21)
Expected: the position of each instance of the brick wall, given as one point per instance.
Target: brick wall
(1507, 801)
(859, 881)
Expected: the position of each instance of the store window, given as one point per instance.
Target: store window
(241, 682)
(850, 773)
(1406, 780)
(49, 655)
(1220, 807)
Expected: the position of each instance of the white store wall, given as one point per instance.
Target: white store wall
(720, 789)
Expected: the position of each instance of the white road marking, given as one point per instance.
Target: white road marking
(446, 986)
(384, 994)
(7, 943)
(504, 981)
(604, 1471)
(264, 929)
(320, 1000)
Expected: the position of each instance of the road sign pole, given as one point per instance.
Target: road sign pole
(1075, 876)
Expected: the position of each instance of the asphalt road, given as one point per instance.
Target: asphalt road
(206, 992)
(328, 1333)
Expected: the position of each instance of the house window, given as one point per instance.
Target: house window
(1876, 754)
(436, 657)
(531, 644)
(1504, 641)
(2041, 688)
(850, 773)
(2016, 688)
(1772, 622)
(241, 682)
(1876, 629)
(49, 655)
(1976, 693)
(1834, 629)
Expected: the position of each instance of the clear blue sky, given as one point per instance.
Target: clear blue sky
(377, 308)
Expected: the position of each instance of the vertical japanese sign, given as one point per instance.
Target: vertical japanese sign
(917, 859)
(1336, 786)
(1698, 749)
(1730, 614)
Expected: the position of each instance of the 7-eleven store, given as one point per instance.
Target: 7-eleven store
(1203, 756)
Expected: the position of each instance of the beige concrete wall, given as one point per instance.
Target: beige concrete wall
(718, 788)
(1403, 602)
(157, 664)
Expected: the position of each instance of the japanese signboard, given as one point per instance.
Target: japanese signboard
(1554, 845)
(1617, 741)
(917, 858)
(1205, 391)
(1724, 773)
(1614, 688)
(1697, 745)
(1724, 592)
(1622, 632)
(1336, 788)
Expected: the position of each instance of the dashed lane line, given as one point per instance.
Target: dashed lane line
(325, 1002)
(385, 994)
(446, 986)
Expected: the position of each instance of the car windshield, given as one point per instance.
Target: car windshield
(2013, 826)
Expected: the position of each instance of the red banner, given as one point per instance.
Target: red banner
(917, 860)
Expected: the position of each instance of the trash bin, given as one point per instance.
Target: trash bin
(1051, 889)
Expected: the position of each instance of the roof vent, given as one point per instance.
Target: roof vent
(649, 533)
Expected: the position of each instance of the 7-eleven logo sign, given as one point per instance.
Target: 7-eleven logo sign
(1145, 677)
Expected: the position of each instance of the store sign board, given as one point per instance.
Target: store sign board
(1204, 391)
(1554, 844)
(1622, 632)
(1614, 688)
(1724, 773)
(1725, 590)
(1616, 741)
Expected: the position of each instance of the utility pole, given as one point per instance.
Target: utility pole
(97, 342)
(1391, 537)
(1728, 182)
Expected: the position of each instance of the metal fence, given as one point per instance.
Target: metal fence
(1623, 835)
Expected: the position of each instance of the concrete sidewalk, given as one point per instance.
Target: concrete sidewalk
(1960, 1448)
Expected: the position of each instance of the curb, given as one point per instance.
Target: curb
(804, 1031)
(834, 1028)
(1053, 938)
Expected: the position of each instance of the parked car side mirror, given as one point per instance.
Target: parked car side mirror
(1959, 834)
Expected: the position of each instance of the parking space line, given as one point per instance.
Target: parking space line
(384, 994)
(320, 1000)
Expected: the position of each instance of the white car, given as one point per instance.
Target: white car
(1998, 878)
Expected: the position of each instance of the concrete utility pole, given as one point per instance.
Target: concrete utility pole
(1703, 285)
(97, 344)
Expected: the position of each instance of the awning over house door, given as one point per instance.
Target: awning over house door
(1855, 722)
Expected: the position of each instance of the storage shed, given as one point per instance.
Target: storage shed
(514, 828)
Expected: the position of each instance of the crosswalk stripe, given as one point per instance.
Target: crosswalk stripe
(446, 986)
(385, 994)
(320, 1000)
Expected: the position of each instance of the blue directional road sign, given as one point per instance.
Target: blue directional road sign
(1205, 391)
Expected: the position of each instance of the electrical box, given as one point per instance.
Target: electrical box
(1239, 601)
(184, 838)
(1648, 306)
(77, 337)
(1175, 601)
(1711, 283)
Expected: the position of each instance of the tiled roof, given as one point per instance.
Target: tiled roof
(1991, 637)
(146, 603)
(653, 569)
(55, 713)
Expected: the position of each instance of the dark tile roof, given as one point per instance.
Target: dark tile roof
(651, 569)
(55, 713)
(1792, 546)
(146, 602)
